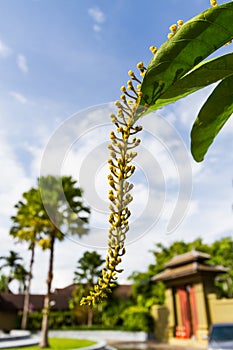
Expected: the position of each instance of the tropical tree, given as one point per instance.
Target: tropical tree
(4, 284)
(63, 211)
(222, 254)
(21, 276)
(88, 268)
(144, 292)
(27, 227)
(11, 264)
(86, 275)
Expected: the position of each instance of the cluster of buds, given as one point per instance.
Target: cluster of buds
(174, 27)
(123, 143)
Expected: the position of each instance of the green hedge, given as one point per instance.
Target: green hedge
(57, 320)
(137, 318)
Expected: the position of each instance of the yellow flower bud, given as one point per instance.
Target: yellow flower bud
(123, 88)
(131, 73)
(117, 103)
(173, 28)
(213, 3)
(180, 22)
(170, 35)
(140, 65)
(112, 135)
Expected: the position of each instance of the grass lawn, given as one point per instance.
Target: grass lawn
(63, 343)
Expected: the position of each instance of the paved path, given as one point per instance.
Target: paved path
(105, 335)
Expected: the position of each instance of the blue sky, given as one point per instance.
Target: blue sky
(61, 57)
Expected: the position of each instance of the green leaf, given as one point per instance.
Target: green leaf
(211, 118)
(201, 76)
(193, 42)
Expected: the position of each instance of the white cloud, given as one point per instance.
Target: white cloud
(98, 17)
(96, 14)
(19, 97)
(13, 179)
(22, 63)
(5, 50)
(96, 28)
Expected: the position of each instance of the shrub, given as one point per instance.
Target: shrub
(57, 320)
(137, 318)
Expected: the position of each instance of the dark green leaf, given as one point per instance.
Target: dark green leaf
(201, 76)
(193, 42)
(211, 118)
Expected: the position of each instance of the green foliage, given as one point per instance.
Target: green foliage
(175, 72)
(63, 206)
(202, 75)
(222, 254)
(88, 268)
(144, 292)
(57, 320)
(43, 215)
(112, 310)
(4, 284)
(86, 275)
(212, 117)
(13, 270)
(137, 318)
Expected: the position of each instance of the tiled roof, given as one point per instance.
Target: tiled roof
(187, 270)
(59, 299)
(191, 263)
(193, 255)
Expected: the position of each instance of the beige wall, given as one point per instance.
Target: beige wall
(221, 310)
(203, 325)
(160, 315)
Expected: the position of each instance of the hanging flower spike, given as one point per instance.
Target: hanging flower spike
(123, 142)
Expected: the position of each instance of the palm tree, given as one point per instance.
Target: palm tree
(60, 209)
(4, 284)
(27, 227)
(87, 271)
(11, 263)
(21, 276)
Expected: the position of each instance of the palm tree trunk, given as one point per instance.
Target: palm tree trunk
(90, 315)
(44, 343)
(27, 291)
